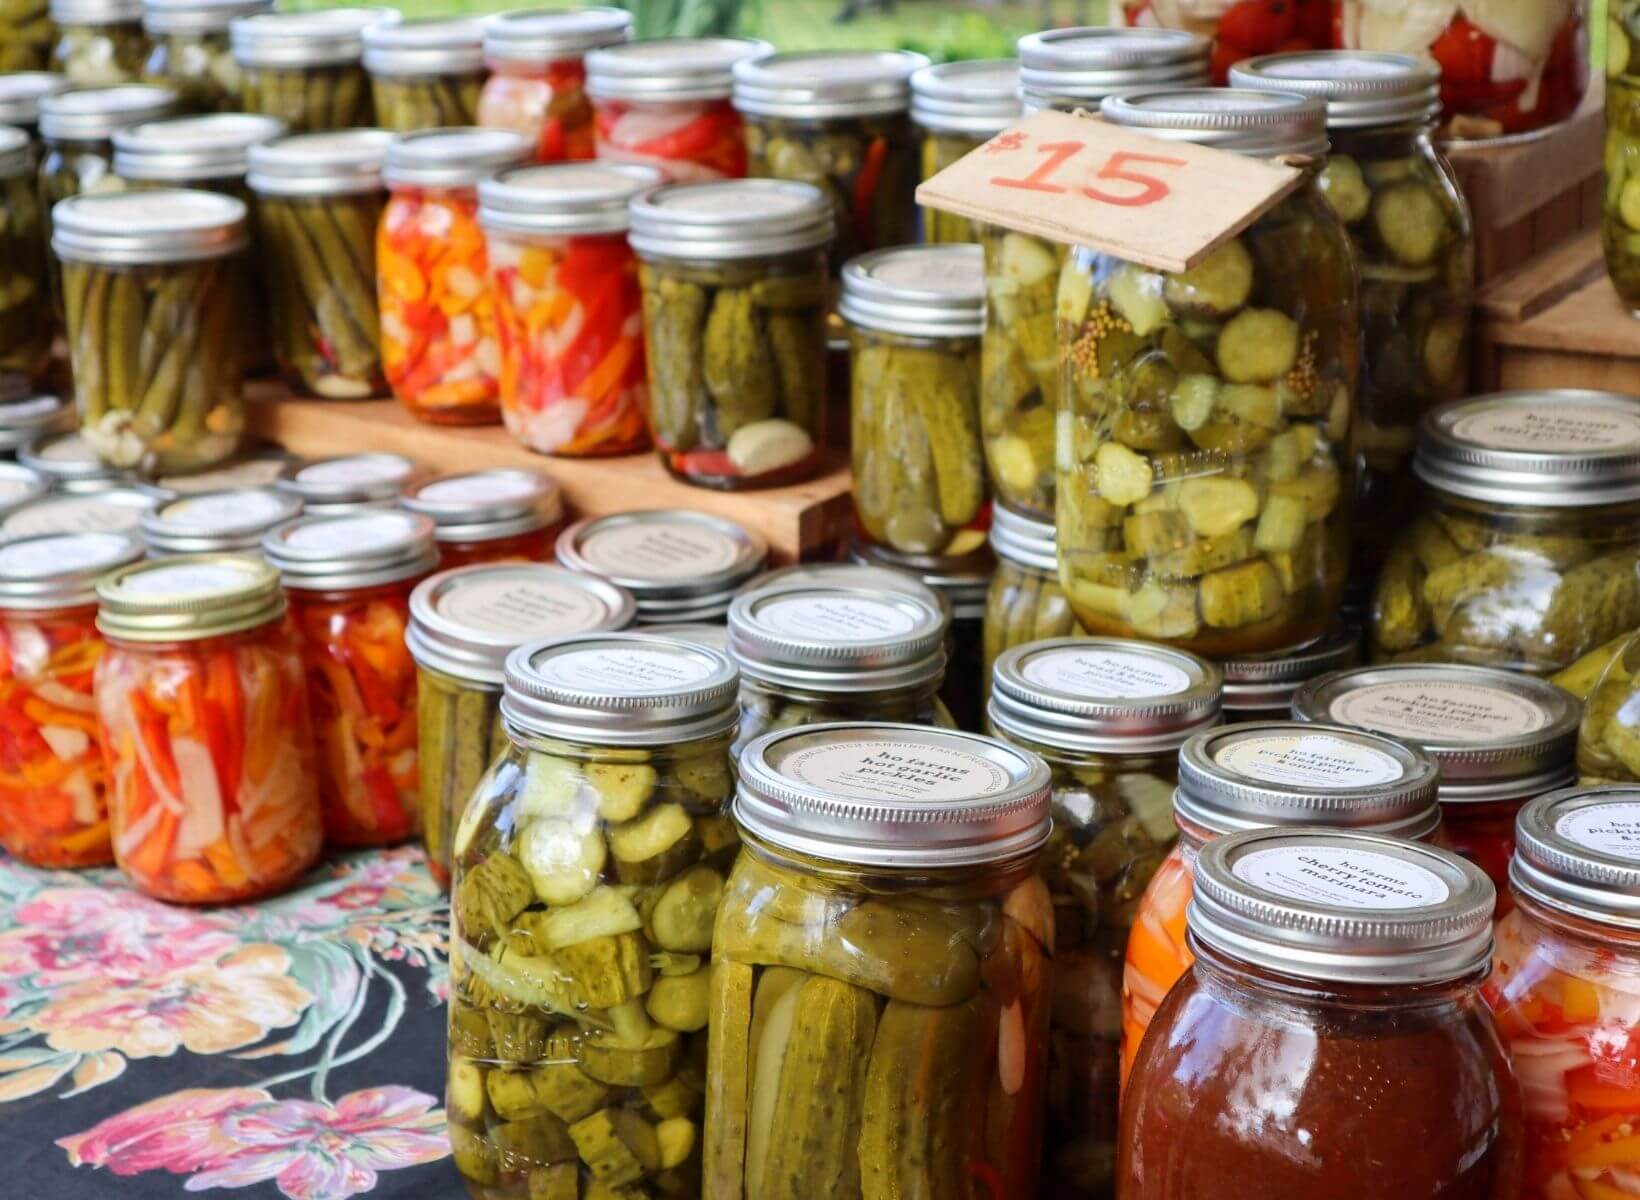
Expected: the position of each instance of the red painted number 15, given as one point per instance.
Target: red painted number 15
(1117, 168)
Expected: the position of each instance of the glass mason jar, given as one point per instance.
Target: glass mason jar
(537, 83)
(425, 74)
(956, 108)
(677, 564)
(113, 510)
(1067, 70)
(1108, 716)
(1525, 547)
(440, 347)
(191, 54)
(216, 522)
(306, 68)
(1025, 603)
(1207, 425)
(463, 624)
(257, 465)
(26, 322)
(165, 264)
(1348, 966)
(880, 972)
(349, 579)
(30, 419)
(25, 36)
(735, 296)
(1274, 774)
(588, 870)
(568, 306)
(1620, 209)
(1241, 30)
(20, 93)
(499, 515)
(1565, 991)
(53, 813)
(202, 711)
(100, 43)
(68, 463)
(1261, 687)
(347, 482)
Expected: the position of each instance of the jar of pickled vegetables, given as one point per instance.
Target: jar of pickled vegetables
(735, 296)
(1344, 971)
(1620, 208)
(68, 462)
(1109, 717)
(884, 936)
(957, 107)
(112, 510)
(559, 261)
(537, 83)
(202, 711)
(588, 870)
(1206, 437)
(20, 93)
(100, 43)
(1525, 549)
(497, 515)
(1025, 602)
(25, 36)
(349, 579)
(439, 341)
(677, 564)
(463, 624)
(347, 482)
(26, 323)
(30, 419)
(258, 465)
(1261, 687)
(425, 74)
(306, 68)
(191, 54)
(1241, 29)
(167, 262)
(216, 522)
(52, 810)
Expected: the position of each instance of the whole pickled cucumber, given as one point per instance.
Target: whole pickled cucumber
(728, 1079)
(737, 365)
(674, 319)
(799, 350)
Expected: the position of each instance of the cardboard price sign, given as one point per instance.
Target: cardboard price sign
(1086, 182)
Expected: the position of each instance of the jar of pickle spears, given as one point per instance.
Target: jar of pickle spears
(1241, 29)
(306, 68)
(589, 866)
(678, 565)
(25, 36)
(880, 977)
(20, 93)
(100, 43)
(31, 418)
(191, 54)
(347, 482)
(425, 74)
(216, 522)
(499, 515)
(1025, 602)
(1620, 205)
(1261, 687)
(26, 323)
(537, 83)
(112, 510)
(956, 108)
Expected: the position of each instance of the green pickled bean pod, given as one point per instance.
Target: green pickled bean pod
(311, 98)
(408, 103)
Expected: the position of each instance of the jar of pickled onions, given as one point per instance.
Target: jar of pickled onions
(347, 482)
(490, 516)
(537, 83)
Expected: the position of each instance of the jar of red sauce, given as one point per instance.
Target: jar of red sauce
(498, 515)
(537, 83)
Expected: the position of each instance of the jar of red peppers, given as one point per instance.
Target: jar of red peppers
(490, 516)
(202, 708)
(115, 510)
(347, 482)
(537, 81)
(665, 103)
(52, 810)
(1243, 28)
(568, 308)
(439, 341)
(678, 565)
(1260, 687)
(349, 579)
(956, 108)
(216, 522)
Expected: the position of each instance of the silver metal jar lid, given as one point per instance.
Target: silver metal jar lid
(827, 83)
(351, 550)
(620, 689)
(197, 16)
(1578, 851)
(112, 510)
(170, 225)
(1077, 67)
(464, 622)
(678, 565)
(16, 152)
(30, 419)
(533, 36)
(217, 522)
(477, 506)
(1343, 907)
(320, 38)
(852, 575)
(257, 467)
(444, 46)
(1497, 735)
(669, 69)
(20, 485)
(1262, 124)
(1285, 773)
(1023, 540)
(978, 97)
(730, 218)
(563, 198)
(93, 114)
(456, 157)
(884, 795)
(339, 162)
(189, 598)
(1556, 448)
(920, 291)
(347, 481)
(20, 94)
(1268, 682)
(714, 637)
(60, 570)
(184, 150)
(67, 460)
(837, 639)
(1362, 89)
(95, 12)
(960, 582)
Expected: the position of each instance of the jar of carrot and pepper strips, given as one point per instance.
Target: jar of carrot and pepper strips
(439, 344)
(537, 83)
(349, 579)
(52, 811)
(213, 791)
(347, 482)
(490, 516)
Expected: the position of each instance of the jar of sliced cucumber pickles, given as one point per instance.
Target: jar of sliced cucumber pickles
(499, 515)
(216, 522)
(100, 43)
(347, 482)
(190, 51)
(1025, 602)
(957, 107)
(425, 74)
(1260, 687)
(31, 418)
(588, 870)
(26, 323)
(679, 565)
(306, 68)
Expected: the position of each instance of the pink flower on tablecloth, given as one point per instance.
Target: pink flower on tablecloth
(70, 935)
(179, 1133)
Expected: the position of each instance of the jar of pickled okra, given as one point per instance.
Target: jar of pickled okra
(112, 510)
(26, 322)
(558, 260)
(306, 68)
(25, 36)
(100, 43)
(31, 419)
(537, 83)
(1025, 602)
(442, 356)
(202, 710)
(347, 482)
(349, 579)
(1205, 441)
(1620, 205)
(425, 74)
(498, 515)
(257, 466)
(67, 461)
(1108, 716)
(588, 870)
(463, 624)
(1069, 70)
(1243, 28)
(1261, 687)
(678, 565)
(735, 295)
(191, 53)
(216, 522)
(319, 199)
(20, 93)
(957, 107)
(885, 898)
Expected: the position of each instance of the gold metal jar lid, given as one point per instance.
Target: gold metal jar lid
(189, 598)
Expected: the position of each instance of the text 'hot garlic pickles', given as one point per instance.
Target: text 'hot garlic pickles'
(678, 565)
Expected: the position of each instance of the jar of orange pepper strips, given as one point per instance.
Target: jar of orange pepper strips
(537, 84)
(568, 306)
(347, 482)
(202, 711)
(52, 811)
(349, 578)
(490, 516)
(439, 343)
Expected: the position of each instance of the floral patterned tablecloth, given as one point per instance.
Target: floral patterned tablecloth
(293, 1047)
